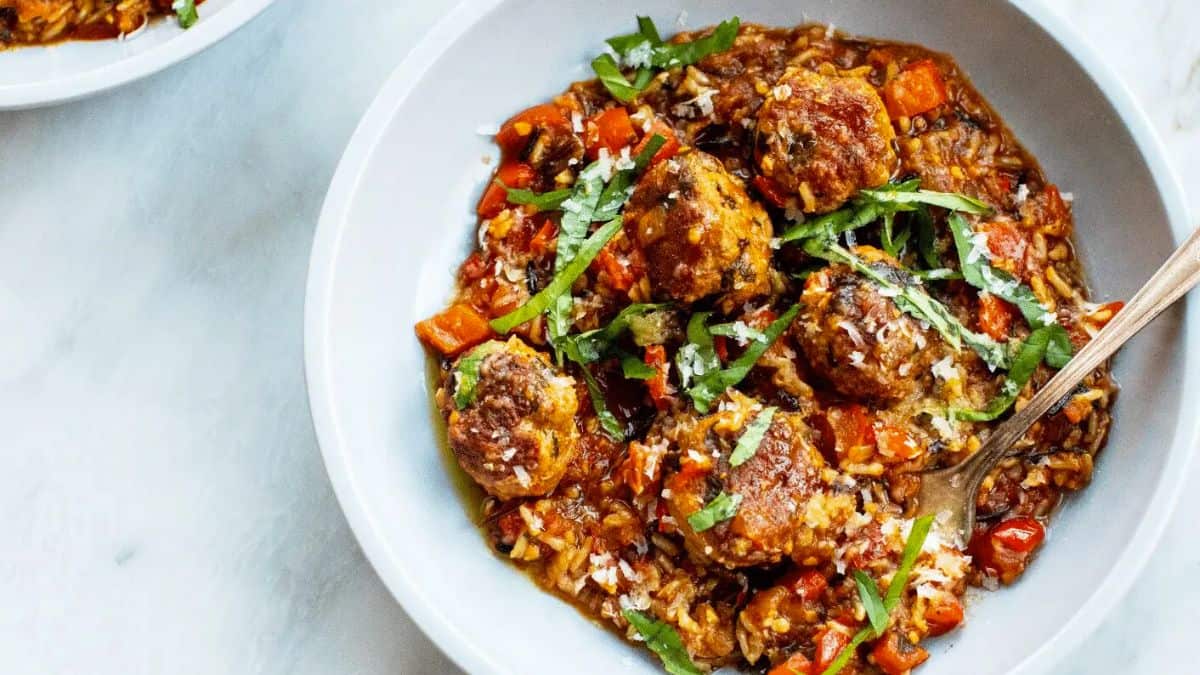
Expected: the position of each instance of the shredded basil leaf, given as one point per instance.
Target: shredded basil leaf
(698, 356)
(560, 285)
(912, 549)
(752, 437)
(185, 12)
(978, 272)
(1035, 348)
(608, 421)
(606, 68)
(634, 368)
(545, 201)
(866, 586)
(947, 200)
(466, 373)
(721, 508)
(646, 50)
(663, 641)
(741, 333)
(912, 299)
(937, 274)
(926, 238)
(868, 593)
(592, 345)
(710, 385)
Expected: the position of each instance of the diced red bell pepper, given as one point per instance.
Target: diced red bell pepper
(916, 89)
(509, 175)
(943, 615)
(796, 664)
(620, 277)
(661, 391)
(1021, 535)
(772, 191)
(515, 133)
(610, 129)
(669, 148)
(895, 444)
(995, 316)
(808, 584)
(895, 655)
(830, 642)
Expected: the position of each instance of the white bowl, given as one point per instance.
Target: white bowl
(398, 219)
(36, 76)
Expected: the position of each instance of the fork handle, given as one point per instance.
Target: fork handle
(1176, 277)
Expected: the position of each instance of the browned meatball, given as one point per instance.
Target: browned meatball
(858, 340)
(780, 488)
(701, 234)
(515, 432)
(822, 138)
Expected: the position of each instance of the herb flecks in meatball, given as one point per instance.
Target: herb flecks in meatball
(701, 234)
(857, 339)
(515, 432)
(784, 506)
(821, 139)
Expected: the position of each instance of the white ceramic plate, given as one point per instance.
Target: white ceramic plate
(398, 219)
(37, 76)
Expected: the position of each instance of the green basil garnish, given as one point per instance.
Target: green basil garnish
(466, 373)
(560, 285)
(185, 12)
(912, 299)
(1043, 343)
(608, 421)
(709, 386)
(545, 201)
(721, 508)
(663, 641)
(591, 346)
(869, 593)
(646, 51)
(947, 200)
(752, 437)
(634, 368)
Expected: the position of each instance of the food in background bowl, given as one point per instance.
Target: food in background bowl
(33, 22)
(729, 299)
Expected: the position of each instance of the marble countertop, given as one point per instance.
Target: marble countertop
(163, 506)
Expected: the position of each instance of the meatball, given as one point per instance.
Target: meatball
(824, 138)
(515, 432)
(700, 232)
(780, 487)
(858, 340)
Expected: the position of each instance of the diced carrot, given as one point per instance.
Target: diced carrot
(544, 239)
(808, 584)
(853, 432)
(1076, 410)
(610, 129)
(618, 275)
(515, 133)
(916, 89)
(943, 614)
(895, 444)
(661, 391)
(454, 330)
(895, 655)
(509, 175)
(796, 664)
(830, 642)
(668, 150)
(642, 467)
(995, 316)
(771, 191)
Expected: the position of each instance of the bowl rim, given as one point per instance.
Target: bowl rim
(322, 271)
(204, 34)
